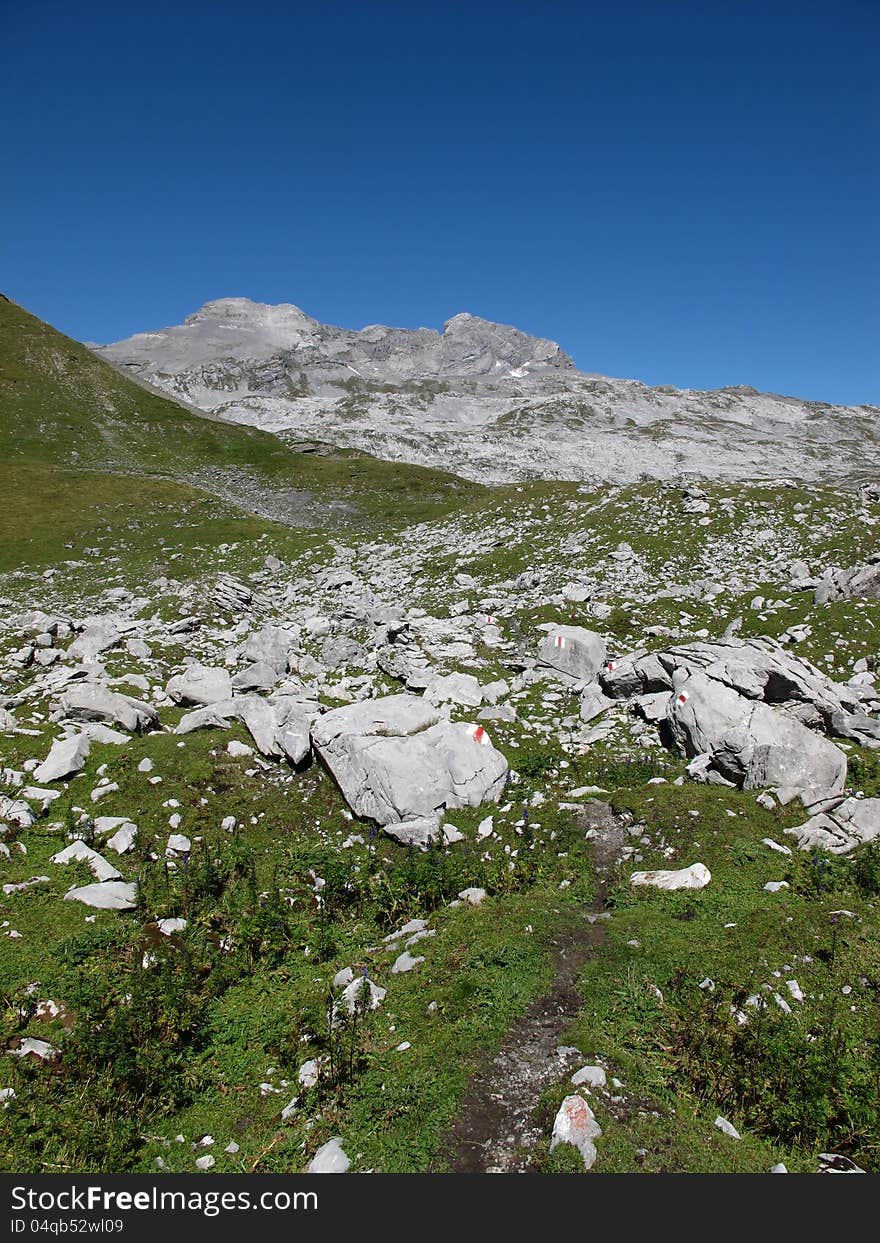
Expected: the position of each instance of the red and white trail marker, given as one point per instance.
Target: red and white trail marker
(610, 665)
(559, 641)
(683, 697)
(479, 735)
(490, 620)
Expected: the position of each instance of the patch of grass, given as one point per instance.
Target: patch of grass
(663, 997)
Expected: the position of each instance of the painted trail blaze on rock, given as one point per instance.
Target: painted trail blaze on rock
(576, 1124)
(479, 735)
(752, 743)
(573, 651)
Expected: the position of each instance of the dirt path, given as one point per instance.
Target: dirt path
(496, 1129)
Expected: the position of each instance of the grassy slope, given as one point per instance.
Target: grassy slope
(68, 420)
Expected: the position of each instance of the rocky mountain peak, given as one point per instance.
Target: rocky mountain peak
(246, 311)
(499, 344)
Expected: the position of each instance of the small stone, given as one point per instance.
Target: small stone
(727, 1127)
(329, 1159)
(589, 1076)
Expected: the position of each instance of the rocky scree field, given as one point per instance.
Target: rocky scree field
(320, 833)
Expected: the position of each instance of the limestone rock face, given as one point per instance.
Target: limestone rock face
(752, 744)
(749, 712)
(862, 582)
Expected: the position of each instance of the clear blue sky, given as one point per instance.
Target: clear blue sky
(685, 191)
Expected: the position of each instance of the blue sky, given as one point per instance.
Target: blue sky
(685, 192)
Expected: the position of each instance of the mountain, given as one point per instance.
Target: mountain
(485, 400)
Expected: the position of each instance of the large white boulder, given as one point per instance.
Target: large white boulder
(573, 651)
(66, 756)
(200, 684)
(394, 759)
(110, 895)
(750, 743)
(91, 702)
(757, 669)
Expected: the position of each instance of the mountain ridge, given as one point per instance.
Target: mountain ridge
(485, 400)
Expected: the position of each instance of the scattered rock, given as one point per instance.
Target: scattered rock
(727, 1127)
(394, 760)
(112, 895)
(697, 876)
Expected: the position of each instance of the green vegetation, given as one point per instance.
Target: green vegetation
(689, 1003)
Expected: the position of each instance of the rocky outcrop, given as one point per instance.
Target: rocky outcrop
(482, 399)
(747, 711)
(279, 725)
(840, 828)
(862, 582)
(90, 702)
(750, 743)
(757, 669)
